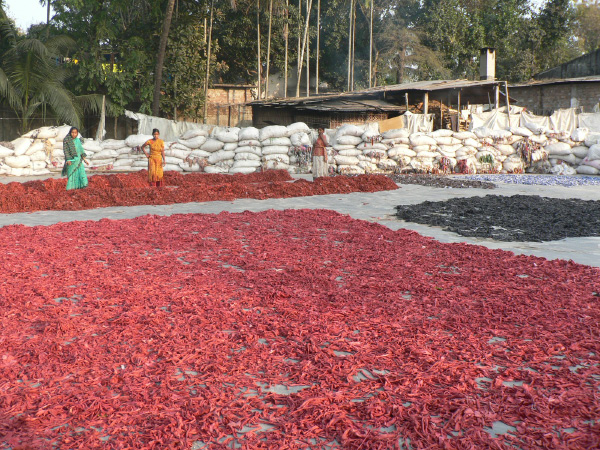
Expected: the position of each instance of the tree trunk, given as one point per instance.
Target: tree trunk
(258, 67)
(353, 45)
(286, 32)
(162, 49)
(208, 56)
(269, 48)
(371, 47)
(308, 53)
(318, 45)
(48, 19)
(298, 68)
(302, 50)
(350, 42)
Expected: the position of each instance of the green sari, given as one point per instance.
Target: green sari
(75, 172)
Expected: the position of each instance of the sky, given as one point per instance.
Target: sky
(26, 12)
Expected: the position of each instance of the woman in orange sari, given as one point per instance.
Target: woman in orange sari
(156, 158)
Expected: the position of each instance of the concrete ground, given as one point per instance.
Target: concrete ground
(374, 207)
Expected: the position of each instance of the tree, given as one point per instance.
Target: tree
(587, 27)
(32, 79)
(162, 48)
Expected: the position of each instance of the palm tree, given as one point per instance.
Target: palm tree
(162, 48)
(31, 79)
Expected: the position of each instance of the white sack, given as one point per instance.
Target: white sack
(249, 133)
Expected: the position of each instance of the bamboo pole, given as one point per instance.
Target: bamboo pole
(269, 48)
(318, 45)
(286, 32)
(208, 62)
(371, 47)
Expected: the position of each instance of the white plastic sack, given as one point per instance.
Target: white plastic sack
(350, 152)
(298, 127)
(587, 170)
(196, 142)
(21, 145)
(35, 147)
(244, 170)
(418, 140)
(396, 133)
(106, 154)
(219, 156)
(249, 133)
(277, 141)
(194, 132)
(275, 150)
(273, 131)
(228, 134)
(348, 140)
(249, 143)
(212, 145)
(560, 148)
(136, 140)
(4, 152)
(590, 139)
(594, 152)
(249, 149)
(581, 151)
(17, 162)
(346, 160)
(113, 144)
(246, 163)
(349, 130)
(300, 139)
(38, 156)
(277, 157)
(247, 156)
(374, 146)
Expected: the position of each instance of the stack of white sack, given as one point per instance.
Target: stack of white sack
(275, 143)
(356, 150)
(248, 154)
(346, 141)
(301, 138)
(589, 150)
(188, 150)
(221, 145)
(374, 157)
(34, 153)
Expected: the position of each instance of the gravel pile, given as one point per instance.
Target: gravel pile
(520, 218)
(543, 180)
(441, 181)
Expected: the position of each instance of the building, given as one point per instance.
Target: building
(227, 105)
(376, 104)
(574, 84)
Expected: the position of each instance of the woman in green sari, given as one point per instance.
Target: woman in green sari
(74, 158)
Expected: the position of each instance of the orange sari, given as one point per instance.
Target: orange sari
(155, 168)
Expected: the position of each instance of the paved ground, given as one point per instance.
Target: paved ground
(375, 207)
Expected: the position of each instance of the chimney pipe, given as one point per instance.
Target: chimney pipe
(487, 64)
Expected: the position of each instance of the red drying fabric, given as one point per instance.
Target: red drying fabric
(132, 189)
(162, 332)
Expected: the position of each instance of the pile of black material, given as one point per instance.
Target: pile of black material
(520, 218)
(440, 181)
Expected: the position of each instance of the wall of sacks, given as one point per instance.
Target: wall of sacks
(353, 150)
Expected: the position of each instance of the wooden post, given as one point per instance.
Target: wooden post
(426, 103)
(405, 99)
(507, 102)
(497, 96)
(229, 116)
(458, 109)
(441, 113)
(218, 110)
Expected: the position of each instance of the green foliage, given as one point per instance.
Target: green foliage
(587, 27)
(185, 70)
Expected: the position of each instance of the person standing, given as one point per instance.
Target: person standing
(156, 158)
(74, 159)
(319, 168)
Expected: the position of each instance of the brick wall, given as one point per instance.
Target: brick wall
(544, 99)
(226, 105)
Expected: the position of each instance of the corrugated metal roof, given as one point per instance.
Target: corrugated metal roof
(590, 79)
(419, 86)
